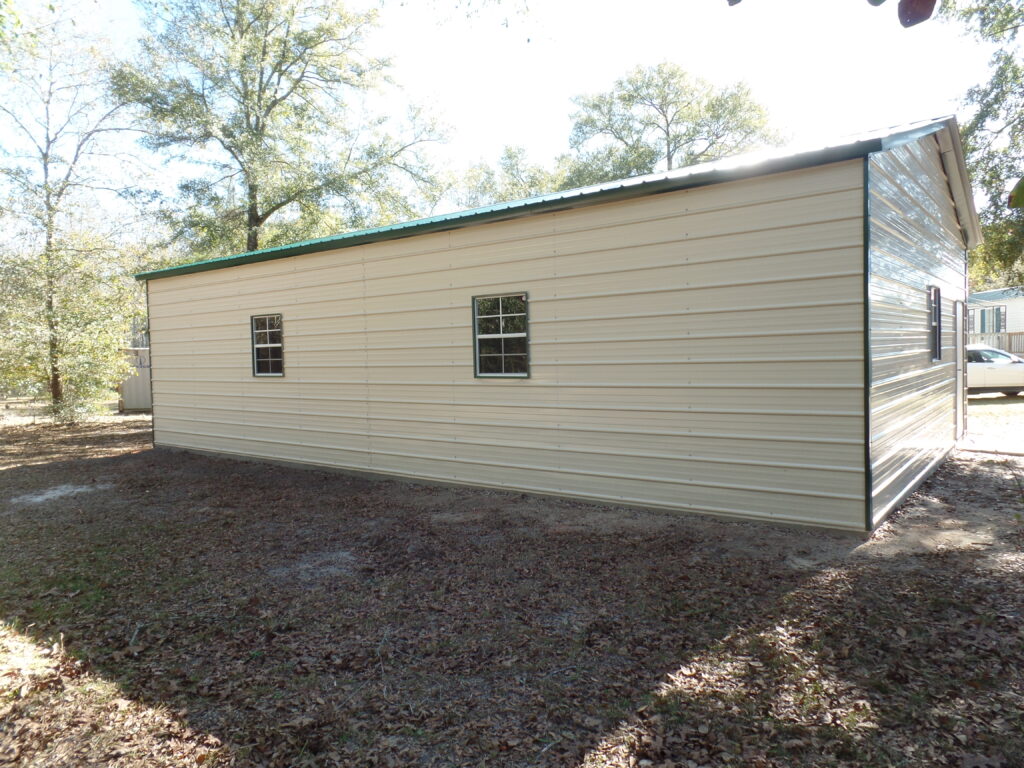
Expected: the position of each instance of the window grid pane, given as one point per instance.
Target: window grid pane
(501, 331)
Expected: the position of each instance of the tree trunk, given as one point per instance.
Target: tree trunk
(56, 381)
(253, 221)
(53, 337)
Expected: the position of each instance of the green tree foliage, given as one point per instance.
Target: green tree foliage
(67, 302)
(264, 94)
(994, 135)
(514, 179)
(661, 117)
(655, 118)
(8, 20)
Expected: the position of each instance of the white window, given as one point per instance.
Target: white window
(267, 346)
(500, 336)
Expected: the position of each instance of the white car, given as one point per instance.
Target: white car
(993, 370)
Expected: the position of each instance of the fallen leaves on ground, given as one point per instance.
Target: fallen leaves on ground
(224, 613)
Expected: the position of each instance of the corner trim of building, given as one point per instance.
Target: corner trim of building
(869, 484)
(152, 402)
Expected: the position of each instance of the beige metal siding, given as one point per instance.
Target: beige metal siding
(135, 390)
(696, 350)
(915, 242)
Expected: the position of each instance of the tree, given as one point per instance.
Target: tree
(994, 134)
(8, 20)
(661, 117)
(514, 178)
(261, 93)
(66, 303)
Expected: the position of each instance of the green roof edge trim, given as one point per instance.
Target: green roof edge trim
(639, 186)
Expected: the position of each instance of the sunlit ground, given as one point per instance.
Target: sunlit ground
(54, 711)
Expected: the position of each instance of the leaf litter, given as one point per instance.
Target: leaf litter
(212, 612)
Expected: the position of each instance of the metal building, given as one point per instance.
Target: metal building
(776, 338)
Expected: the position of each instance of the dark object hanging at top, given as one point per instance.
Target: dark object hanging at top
(913, 12)
(910, 12)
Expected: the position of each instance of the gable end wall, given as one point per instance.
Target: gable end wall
(915, 242)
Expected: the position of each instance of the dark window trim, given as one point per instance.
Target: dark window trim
(476, 343)
(252, 345)
(935, 321)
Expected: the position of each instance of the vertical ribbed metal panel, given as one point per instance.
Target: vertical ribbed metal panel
(915, 242)
(696, 350)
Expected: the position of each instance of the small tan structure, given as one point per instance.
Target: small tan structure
(135, 392)
(777, 339)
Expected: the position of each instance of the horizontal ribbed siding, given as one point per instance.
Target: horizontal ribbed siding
(915, 243)
(696, 350)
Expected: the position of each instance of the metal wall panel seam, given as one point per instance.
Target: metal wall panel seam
(578, 363)
(549, 342)
(228, 285)
(795, 278)
(742, 436)
(911, 374)
(557, 470)
(549, 385)
(541, 406)
(582, 318)
(510, 444)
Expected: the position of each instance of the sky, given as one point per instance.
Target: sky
(824, 68)
(504, 73)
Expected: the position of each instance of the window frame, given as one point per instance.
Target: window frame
(935, 321)
(254, 345)
(992, 319)
(478, 336)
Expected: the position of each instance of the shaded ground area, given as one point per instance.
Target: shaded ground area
(159, 608)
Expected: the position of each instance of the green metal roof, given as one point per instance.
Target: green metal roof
(716, 172)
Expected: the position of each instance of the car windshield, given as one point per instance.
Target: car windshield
(989, 356)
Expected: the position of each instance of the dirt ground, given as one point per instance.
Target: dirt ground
(166, 609)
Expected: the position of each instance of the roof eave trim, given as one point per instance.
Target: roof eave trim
(950, 145)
